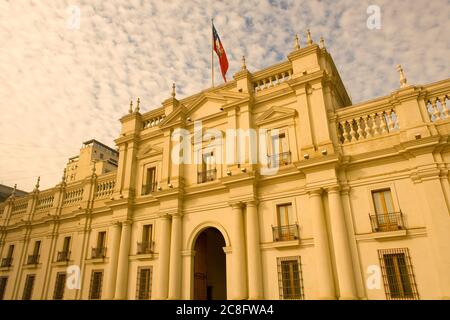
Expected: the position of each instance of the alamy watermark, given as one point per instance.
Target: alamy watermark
(249, 146)
(374, 19)
(73, 20)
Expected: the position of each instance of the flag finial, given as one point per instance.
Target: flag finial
(63, 178)
(137, 105)
(296, 42)
(403, 81)
(173, 90)
(322, 42)
(309, 40)
(37, 183)
(244, 66)
(131, 107)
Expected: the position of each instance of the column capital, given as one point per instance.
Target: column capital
(315, 192)
(334, 189)
(252, 203)
(235, 204)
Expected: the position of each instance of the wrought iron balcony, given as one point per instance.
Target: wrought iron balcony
(392, 221)
(205, 176)
(279, 159)
(145, 247)
(98, 253)
(6, 262)
(33, 259)
(285, 233)
(63, 256)
(148, 188)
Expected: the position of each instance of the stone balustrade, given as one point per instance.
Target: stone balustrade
(20, 206)
(365, 125)
(438, 107)
(73, 196)
(152, 120)
(262, 81)
(105, 188)
(45, 200)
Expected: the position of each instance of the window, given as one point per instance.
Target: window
(290, 280)
(279, 153)
(207, 171)
(28, 288)
(7, 262)
(34, 257)
(146, 245)
(398, 276)
(95, 292)
(3, 282)
(385, 218)
(101, 239)
(65, 253)
(150, 181)
(286, 228)
(100, 250)
(143, 284)
(60, 284)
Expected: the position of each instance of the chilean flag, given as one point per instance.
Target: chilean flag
(218, 48)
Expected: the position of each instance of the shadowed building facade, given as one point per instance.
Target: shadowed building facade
(357, 209)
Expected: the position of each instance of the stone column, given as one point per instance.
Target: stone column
(122, 265)
(437, 221)
(113, 249)
(325, 283)
(163, 258)
(255, 283)
(239, 272)
(347, 287)
(175, 258)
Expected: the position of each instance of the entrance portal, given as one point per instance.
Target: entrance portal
(210, 266)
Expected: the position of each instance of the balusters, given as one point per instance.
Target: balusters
(367, 126)
(445, 109)
(436, 111)
(383, 125)
(272, 80)
(360, 130)
(390, 122)
(352, 131)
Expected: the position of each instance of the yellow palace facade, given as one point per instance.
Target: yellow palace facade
(357, 208)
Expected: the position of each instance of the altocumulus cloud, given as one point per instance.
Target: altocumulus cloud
(62, 83)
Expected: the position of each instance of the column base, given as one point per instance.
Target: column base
(326, 298)
(349, 298)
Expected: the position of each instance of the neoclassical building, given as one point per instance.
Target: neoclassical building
(356, 208)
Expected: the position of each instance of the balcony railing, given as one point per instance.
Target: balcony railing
(33, 259)
(6, 262)
(285, 233)
(148, 188)
(63, 256)
(279, 159)
(387, 222)
(98, 253)
(145, 247)
(205, 176)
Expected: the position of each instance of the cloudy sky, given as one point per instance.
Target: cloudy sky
(68, 69)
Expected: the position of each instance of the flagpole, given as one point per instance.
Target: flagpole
(212, 53)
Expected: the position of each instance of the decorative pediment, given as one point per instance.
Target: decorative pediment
(220, 97)
(149, 151)
(176, 118)
(274, 114)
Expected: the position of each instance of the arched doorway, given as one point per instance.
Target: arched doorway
(210, 266)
